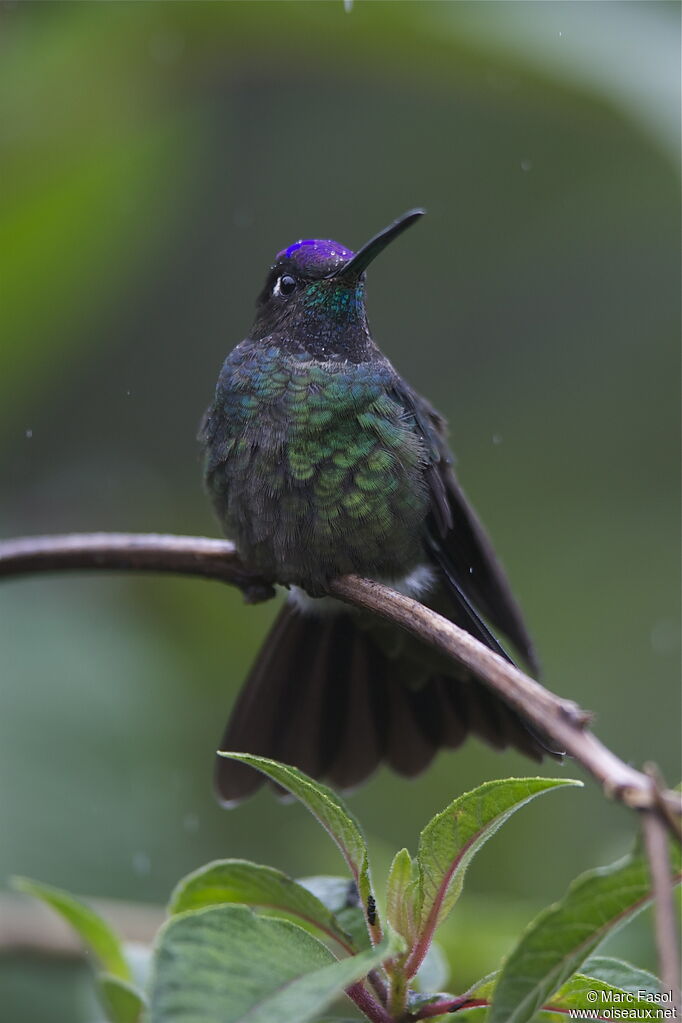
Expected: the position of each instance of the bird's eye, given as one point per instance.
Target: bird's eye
(285, 285)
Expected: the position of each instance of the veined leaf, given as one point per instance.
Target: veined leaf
(559, 941)
(620, 974)
(401, 892)
(326, 806)
(225, 964)
(238, 881)
(93, 930)
(451, 840)
(582, 992)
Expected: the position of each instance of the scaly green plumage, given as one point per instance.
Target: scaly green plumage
(314, 468)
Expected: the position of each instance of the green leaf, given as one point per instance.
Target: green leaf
(97, 934)
(620, 974)
(229, 881)
(582, 992)
(326, 806)
(449, 842)
(559, 941)
(225, 964)
(122, 1002)
(483, 989)
(340, 895)
(400, 896)
(615, 982)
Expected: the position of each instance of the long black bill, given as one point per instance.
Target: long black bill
(364, 256)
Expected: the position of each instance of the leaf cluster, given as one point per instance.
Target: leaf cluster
(247, 942)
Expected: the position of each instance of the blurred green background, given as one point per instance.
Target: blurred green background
(154, 158)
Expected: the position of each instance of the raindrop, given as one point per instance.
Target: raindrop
(142, 863)
(190, 823)
(28, 434)
(497, 439)
(526, 165)
(665, 636)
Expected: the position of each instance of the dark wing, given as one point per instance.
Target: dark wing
(459, 544)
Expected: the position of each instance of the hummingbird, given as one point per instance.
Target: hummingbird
(320, 460)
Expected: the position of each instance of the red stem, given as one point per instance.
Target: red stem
(379, 984)
(451, 1005)
(372, 1009)
(423, 943)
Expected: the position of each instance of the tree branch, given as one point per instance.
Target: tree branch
(134, 552)
(561, 720)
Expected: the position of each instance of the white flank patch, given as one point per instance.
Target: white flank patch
(417, 584)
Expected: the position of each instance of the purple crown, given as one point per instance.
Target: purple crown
(312, 254)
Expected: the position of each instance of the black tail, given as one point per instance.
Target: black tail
(323, 697)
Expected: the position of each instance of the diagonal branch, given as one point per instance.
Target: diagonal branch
(561, 720)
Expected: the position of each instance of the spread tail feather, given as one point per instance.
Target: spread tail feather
(323, 697)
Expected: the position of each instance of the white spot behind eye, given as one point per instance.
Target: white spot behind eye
(277, 290)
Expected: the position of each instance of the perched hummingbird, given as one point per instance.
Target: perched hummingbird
(321, 460)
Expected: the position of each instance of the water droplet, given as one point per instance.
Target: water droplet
(348, 6)
(665, 636)
(142, 863)
(526, 165)
(128, 394)
(190, 823)
(497, 439)
(28, 433)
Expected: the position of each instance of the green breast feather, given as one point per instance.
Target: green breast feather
(315, 468)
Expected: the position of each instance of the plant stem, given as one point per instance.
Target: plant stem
(450, 1005)
(379, 984)
(397, 1000)
(372, 1009)
(665, 918)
